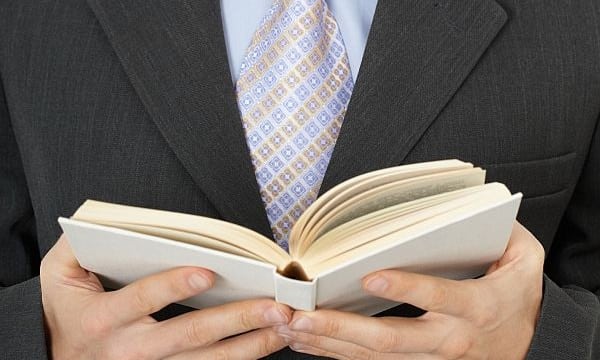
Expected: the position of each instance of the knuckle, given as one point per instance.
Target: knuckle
(485, 312)
(142, 301)
(539, 252)
(44, 266)
(313, 340)
(361, 353)
(439, 298)
(248, 319)
(48, 270)
(368, 354)
(267, 344)
(95, 325)
(331, 328)
(196, 333)
(387, 340)
(487, 317)
(458, 348)
(220, 354)
(251, 314)
(264, 346)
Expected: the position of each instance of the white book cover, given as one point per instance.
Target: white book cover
(458, 249)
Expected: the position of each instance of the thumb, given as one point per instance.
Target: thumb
(61, 264)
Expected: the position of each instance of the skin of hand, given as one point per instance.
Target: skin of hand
(493, 317)
(85, 322)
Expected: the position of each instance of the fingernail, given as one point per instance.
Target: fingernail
(301, 324)
(198, 282)
(275, 316)
(377, 284)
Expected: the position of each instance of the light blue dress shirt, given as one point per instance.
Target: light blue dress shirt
(241, 19)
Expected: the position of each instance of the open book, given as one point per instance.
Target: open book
(437, 218)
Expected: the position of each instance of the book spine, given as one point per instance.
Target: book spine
(300, 295)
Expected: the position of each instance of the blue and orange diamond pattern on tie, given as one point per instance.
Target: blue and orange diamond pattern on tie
(293, 91)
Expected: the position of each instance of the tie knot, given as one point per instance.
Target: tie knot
(297, 8)
(306, 3)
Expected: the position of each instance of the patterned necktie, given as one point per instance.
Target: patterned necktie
(293, 90)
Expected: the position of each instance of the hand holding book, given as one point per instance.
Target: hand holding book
(85, 322)
(491, 317)
(436, 218)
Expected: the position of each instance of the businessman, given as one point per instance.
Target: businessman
(246, 111)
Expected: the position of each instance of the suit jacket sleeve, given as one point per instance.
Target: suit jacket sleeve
(569, 325)
(22, 331)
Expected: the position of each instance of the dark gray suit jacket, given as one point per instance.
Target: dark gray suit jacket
(131, 101)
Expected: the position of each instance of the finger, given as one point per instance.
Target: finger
(253, 345)
(205, 327)
(337, 349)
(60, 259)
(150, 294)
(400, 335)
(524, 252)
(62, 253)
(522, 243)
(311, 350)
(429, 293)
(60, 269)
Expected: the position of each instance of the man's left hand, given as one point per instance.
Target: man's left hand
(493, 317)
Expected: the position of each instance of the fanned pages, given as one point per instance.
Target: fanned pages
(413, 216)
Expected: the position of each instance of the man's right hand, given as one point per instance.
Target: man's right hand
(85, 322)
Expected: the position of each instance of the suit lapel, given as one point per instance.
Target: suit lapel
(174, 54)
(418, 54)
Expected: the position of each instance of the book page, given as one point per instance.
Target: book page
(395, 193)
(351, 187)
(374, 225)
(412, 224)
(388, 195)
(232, 235)
(188, 238)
